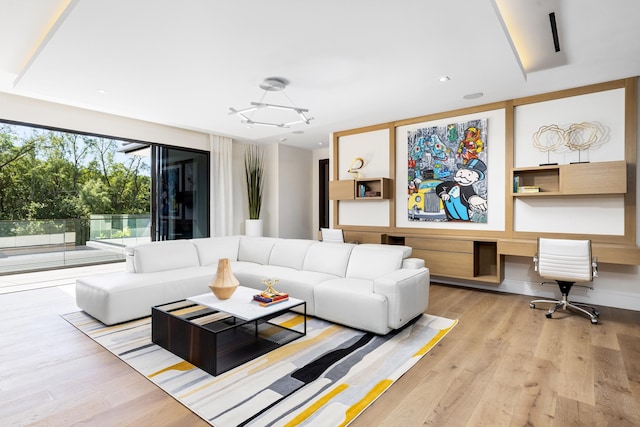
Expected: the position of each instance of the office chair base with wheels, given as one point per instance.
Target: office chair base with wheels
(565, 287)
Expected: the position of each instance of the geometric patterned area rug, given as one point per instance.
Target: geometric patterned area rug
(325, 378)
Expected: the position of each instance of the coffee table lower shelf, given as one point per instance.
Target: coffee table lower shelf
(215, 341)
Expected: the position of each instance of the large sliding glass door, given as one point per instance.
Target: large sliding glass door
(180, 193)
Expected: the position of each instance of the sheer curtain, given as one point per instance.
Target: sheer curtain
(221, 186)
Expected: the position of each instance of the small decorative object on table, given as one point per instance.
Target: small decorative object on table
(224, 284)
(270, 296)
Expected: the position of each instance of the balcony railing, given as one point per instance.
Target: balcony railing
(46, 244)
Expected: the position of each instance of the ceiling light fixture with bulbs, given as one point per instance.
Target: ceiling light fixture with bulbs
(271, 84)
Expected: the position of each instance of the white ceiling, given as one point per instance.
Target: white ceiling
(351, 63)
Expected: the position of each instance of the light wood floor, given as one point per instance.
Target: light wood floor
(503, 365)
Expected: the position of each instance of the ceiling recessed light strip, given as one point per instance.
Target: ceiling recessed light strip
(473, 95)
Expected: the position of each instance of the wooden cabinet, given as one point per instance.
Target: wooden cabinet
(361, 189)
(342, 190)
(574, 179)
(363, 237)
(460, 258)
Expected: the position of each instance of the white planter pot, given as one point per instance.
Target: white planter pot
(253, 227)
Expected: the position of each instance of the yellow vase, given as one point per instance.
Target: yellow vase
(224, 283)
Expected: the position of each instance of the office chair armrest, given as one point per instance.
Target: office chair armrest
(594, 266)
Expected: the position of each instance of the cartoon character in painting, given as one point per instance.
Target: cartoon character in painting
(440, 154)
(470, 145)
(459, 195)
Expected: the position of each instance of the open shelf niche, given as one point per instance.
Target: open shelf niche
(361, 189)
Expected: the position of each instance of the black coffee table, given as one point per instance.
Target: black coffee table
(219, 335)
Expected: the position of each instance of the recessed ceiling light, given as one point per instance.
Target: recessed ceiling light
(283, 139)
(473, 95)
(101, 91)
(444, 79)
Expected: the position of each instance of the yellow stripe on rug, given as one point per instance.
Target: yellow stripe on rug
(424, 350)
(181, 366)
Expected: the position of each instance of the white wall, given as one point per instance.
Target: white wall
(599, 215)
(295, 194)
(287, 209)
(373, 148)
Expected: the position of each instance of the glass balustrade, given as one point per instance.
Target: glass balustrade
(45, 244)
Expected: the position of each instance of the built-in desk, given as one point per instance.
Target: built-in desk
(480, 259)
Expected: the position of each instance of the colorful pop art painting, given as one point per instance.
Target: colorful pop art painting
(447, 171)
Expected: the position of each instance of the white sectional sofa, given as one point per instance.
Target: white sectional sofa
(375, 288)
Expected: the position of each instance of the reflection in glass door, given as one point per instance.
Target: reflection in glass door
(180, 196)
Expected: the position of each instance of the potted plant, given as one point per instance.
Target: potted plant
(254, 175)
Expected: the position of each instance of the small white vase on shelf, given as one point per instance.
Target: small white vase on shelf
(253, 227)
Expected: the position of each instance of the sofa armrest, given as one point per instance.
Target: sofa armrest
(407, 293)
(412, 263)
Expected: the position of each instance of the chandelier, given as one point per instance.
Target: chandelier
(272, 84)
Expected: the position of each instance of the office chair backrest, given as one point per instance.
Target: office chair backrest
(565, 259)
(332, 235)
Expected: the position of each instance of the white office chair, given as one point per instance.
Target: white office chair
(566, 262)
(332, 235)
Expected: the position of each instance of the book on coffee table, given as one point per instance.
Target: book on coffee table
(270, 296)
(276, 301)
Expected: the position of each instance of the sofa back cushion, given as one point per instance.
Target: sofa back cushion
(325, 257)
(372, 261)
(211, 249)
(406, 250)
(163, 256)
(255, 249)
(289, 253)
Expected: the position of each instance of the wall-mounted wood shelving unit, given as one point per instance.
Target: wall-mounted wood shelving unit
(573, 179)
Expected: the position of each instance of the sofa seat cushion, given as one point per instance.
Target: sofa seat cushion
(237, 266)
(121, 296)
(298, 284)
(352, 302)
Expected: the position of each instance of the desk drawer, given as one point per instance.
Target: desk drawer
(448, 264)
(444, 245)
